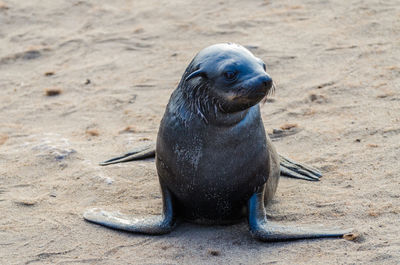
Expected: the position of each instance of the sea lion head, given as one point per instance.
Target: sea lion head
(229, 75)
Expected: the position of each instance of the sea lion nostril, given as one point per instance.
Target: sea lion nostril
(267, 82)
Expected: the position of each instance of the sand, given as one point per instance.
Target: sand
(81, 81)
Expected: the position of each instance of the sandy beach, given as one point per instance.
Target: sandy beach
(82, 81)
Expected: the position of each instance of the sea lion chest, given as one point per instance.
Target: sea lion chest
(212, 169)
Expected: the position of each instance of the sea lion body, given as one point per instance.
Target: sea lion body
(215, 163)
(208, 167)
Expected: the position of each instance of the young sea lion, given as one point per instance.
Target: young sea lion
(215, 163)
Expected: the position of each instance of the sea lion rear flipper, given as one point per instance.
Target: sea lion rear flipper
(263, 230)
(155, 225)
(138, 153)
(293, 169)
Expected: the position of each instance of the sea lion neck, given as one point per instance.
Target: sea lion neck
(220, 118)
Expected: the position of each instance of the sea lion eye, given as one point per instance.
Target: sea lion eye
(230, 75)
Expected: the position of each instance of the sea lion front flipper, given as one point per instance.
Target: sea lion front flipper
(263, 230)
(138, 153)
(156, 225)
(292, 169)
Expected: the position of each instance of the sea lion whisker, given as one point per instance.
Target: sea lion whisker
(272, 90)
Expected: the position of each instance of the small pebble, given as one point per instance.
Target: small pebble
(3, 138)
(317, 98)
(31, 54)
(50, 73)
(51, 92)
(356, 237)
(214, 252)
(128, 129)
(26, 202)
(109, 181)
(288, 126)
(3, 6)
(92, 132)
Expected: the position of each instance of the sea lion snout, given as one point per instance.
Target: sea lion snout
(257, 87)
(265, 83)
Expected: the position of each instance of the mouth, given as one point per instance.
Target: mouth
(246, 96)
(256, 95)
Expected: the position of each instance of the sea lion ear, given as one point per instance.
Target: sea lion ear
(195, 74)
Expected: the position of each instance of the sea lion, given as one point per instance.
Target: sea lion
(215, 163)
